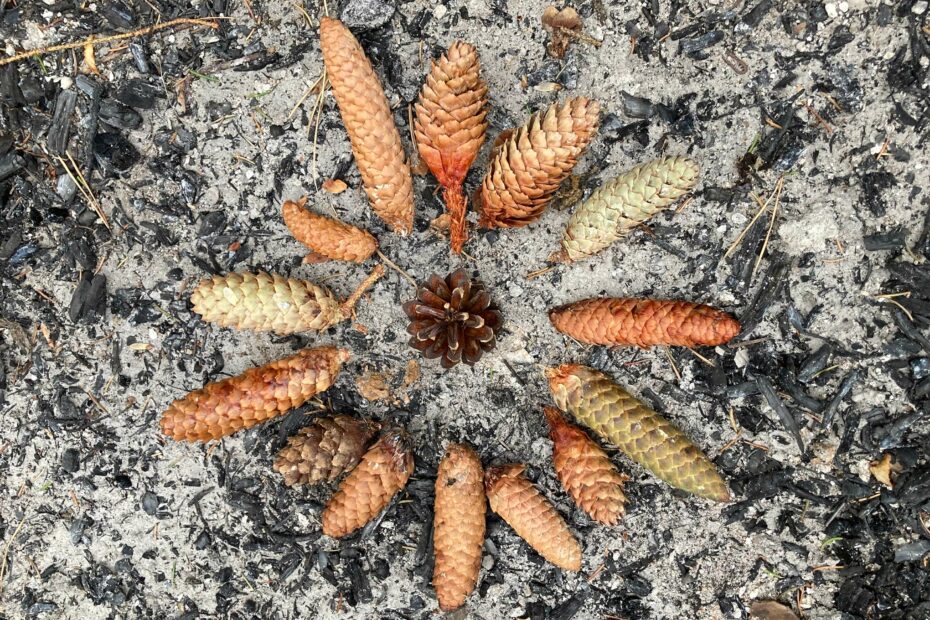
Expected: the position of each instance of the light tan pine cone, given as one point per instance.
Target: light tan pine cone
(327, 237)
(458, 526)
(270, 302)
(528, 167)
(450, 125)
(382, 474)
(257, 395)
(585, 471)
(532, 517)
(324, 450)
(369, 122)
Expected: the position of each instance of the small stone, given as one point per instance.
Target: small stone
(830, 8)
(440, 11)
(919, 8)
(367, 14)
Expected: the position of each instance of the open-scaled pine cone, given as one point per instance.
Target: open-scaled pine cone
(453, 319)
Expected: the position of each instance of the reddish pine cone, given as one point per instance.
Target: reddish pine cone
(257, 395)
(644, 323)
(450, 125)
(528, 167)
(326, 236)
(641, 433)
(585, 471)
(369, 122)
(324, 450)
(382, 474)
(453, 319)
(532, 517)
(458, 526)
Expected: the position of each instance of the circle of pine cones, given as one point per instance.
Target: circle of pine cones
(453, 319)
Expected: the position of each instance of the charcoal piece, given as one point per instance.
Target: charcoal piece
(873, 185)
(920, 368)
(10, 164)
(637, 107)
(567, 609)
(912, 552)
(697, 44)
(360, 590)
(787, 420)
(89, 299)
(118, 13)
(921, 390)
(893, 434)
(815, 363)
(755, 16)
(743, 260)
(891, 240)
(770, 288)
(797, 393)
(845, 388)
(79, 248)
(140, 57)
(137, 93)
(60, 129)
(909, 329)
(71, 460)
(114, 153)
(119, 116)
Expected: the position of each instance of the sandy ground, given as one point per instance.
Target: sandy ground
(140, 526)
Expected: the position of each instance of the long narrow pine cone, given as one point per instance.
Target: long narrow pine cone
(533, 518)
(257, 395)
(644, 323)
(585, 471)
(453, 319)
(450, 125)
(369, 122)
(625, 202)
(324, 450)
(458, 526)
(527, 169)
(381, 475)
(270, 302)
(327, 237)
(641, 433)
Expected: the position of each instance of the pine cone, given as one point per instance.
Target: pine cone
(532, 517)
(326, 236)
(586, 472)
(458, 526)
(528, 167)
(264, 302)
(369, 122)
(625, 202)
(450, 126)
(257, 395)
(324, 450)
(383, 472)
(453, 319)
(644, 323)
(641, 433)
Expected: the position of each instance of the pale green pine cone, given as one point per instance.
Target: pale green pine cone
(625, 202)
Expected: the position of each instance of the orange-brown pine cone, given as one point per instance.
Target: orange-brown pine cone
(458, 526)
(369, 122)
(644, 323)
(324, 450)
(585, 470)
(257, 395)
(326, 236)
(383, 472)
(531, 515)
(528, 167)
(450, 125)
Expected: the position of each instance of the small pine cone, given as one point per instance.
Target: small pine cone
(264, 302)
(257, 395)
(382, 474)
(641, 433)
(644, 323)
(369, 122)
(458, 526)
(450, 125)
(532, 517)
(324, 450)
(625, 202)
(528, 167)
(586, 472)
(452, 318)
(326, 236)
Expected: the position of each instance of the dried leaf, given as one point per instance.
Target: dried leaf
(560, 25)
(883, 468)
(90, 59)
(373, 386)
(334, 186)
(441, 223)
(411, 374)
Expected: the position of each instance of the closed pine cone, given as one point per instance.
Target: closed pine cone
(450, 125)
(532, 517)
(528, 167)
(382, 474)
(458, 526)
(324, 450)
(326, 236)
(585, 471)
(369, 122)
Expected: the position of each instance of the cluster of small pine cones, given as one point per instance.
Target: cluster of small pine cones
(454, 319)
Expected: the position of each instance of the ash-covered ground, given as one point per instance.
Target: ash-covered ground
(190, 140)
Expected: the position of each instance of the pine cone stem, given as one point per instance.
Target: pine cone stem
(456, 205)
(348, 306)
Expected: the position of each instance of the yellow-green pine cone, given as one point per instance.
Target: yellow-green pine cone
(641, 433)
(266, 302)
(625, 202)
